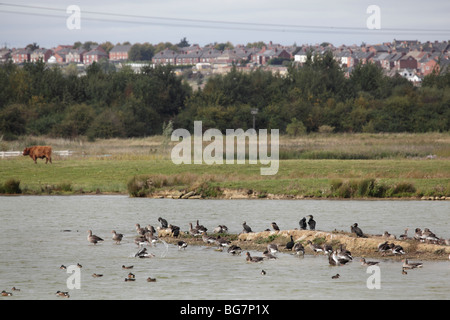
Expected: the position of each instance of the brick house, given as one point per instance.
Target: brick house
(5, 55)
(75, 55)
(209, 55)
(408, 62)
(191, 57)
(119, 53)
(427, 64)
(21, 55)
(41, 54)
(94, 55)
(164, 57)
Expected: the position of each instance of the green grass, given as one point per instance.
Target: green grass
(295, 177)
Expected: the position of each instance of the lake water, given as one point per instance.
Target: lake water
(33, 245)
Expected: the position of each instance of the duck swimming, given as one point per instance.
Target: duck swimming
(368, 263)
(62, 294)
(249, 258)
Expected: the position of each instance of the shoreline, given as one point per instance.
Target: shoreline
(359, 247)
(228, 194)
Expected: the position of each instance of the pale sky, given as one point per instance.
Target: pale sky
(208, 21)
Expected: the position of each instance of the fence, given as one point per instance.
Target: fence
(8, 154)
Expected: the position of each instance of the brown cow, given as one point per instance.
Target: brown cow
(39, 152)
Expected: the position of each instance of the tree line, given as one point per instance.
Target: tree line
(36, 99)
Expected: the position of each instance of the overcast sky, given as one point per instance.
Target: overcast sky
(208, 21)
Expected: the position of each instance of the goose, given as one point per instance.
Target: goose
(314, 247)
(151, 239)
(139, 230)
(427, 235)
(192, 231)
(182, 245)
(142, 253)
(311, 223)
(222, 242)
(275, 226)
(126, 268)
(299, 249)
(79, 265)
(383, 248)
(302, 223)
(396, 249)
(340, 258)
(6, 294)
(411, 265)
(207, 239)
(368, 263)
(62, 294)
(93, 238)
(63, 267)
(388, 235)
(163, 222)
(140, 241)
(337, 276)
(404, 236)
(200, 227)
(327, 248)
(150, 228)
(344, 254)
(404, 271)
(332, 259)
(117, 237)
(290, 244)
(249, 258)
(263, 272)
(355, 229)
(268, 255)
(247, 228)
(418, 234)
(220, 229)
(234, 249)
(272, 248)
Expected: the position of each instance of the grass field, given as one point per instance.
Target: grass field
(311, 166)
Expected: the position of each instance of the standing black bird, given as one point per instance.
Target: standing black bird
(302, 223)
(275, 226)
(290, 244)
(163, 222)
(311, 223)
(354, 228)
(247, 229)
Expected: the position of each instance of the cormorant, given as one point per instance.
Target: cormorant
(311, 223)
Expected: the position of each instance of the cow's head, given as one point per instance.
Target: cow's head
(26, 151)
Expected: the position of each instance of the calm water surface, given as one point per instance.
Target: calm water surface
(33, 246)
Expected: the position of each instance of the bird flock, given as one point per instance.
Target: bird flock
(147, 236)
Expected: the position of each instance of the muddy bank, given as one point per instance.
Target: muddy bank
(359, 247)
(233, 194)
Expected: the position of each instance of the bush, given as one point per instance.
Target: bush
(11, 186)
